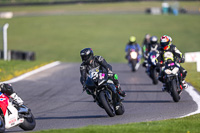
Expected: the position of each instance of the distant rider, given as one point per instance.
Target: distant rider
(167, 46)
(89, 61)
(8, 90)
(153, 46)
(146, 45)
(132, 44)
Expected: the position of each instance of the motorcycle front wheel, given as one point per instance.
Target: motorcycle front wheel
(174, 92)
(154, 76)
(29, 123)
(120, 110)
(109, 110)
(2, 125)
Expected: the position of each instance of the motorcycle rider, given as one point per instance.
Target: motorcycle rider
(146, 45)
(89, 61)
(167, 46)
(154, 46)
(132, 44)
(8, 90)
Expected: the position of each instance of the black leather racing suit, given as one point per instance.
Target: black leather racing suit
(95, 62)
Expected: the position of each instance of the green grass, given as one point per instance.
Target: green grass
(184, 125)
(11, 69)
(193, 77)
(62, 37)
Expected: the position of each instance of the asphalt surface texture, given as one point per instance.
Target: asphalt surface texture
(56, 99)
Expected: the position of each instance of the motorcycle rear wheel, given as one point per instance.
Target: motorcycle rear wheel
(174, 92)
(2, 125)
(133, 65)
(29, 123)
(106, 105)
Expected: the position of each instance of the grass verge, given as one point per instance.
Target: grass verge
(183, 125)
(11, 69)
(193, 77)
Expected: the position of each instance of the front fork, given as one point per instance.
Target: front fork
(178, 83)
(116, 98)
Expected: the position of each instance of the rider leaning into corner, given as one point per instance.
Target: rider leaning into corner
(132, 44)
(8, 90)
(89, 61)
(167, 46)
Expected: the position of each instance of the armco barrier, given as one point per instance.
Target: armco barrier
(19, 55)
(22, 55)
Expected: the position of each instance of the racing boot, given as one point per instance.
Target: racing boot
(17, 99)
(185, 85)
(120, 91)
(164, 87)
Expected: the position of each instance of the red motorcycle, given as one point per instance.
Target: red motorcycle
(11, 115)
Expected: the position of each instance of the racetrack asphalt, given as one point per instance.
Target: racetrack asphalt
(56, 99)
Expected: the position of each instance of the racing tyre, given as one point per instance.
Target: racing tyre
(154, 76)
(120, 110)
(29, 123)
(174, 92)
(109, 110)
(133, 64)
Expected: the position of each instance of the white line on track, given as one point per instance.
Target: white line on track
(23, 76)
(196, 98)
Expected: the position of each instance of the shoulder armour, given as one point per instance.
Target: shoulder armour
(99, 58)
(82, 67)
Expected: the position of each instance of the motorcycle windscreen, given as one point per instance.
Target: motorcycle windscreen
(90, 83)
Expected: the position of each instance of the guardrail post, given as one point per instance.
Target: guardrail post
(5, 45)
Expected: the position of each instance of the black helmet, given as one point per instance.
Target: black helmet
(86, 55)
(6, 88)
(153, 41)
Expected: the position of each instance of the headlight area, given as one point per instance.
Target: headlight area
(167, 71)
(133, 55)
(174, 71)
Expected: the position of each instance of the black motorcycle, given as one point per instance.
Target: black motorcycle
(173, 79)
(104, 92)
(152, 67)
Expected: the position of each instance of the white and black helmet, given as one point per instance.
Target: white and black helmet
(154, 39)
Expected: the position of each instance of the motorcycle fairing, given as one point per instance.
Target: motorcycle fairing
(3, 103)
(10, 112)
(11, 117)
